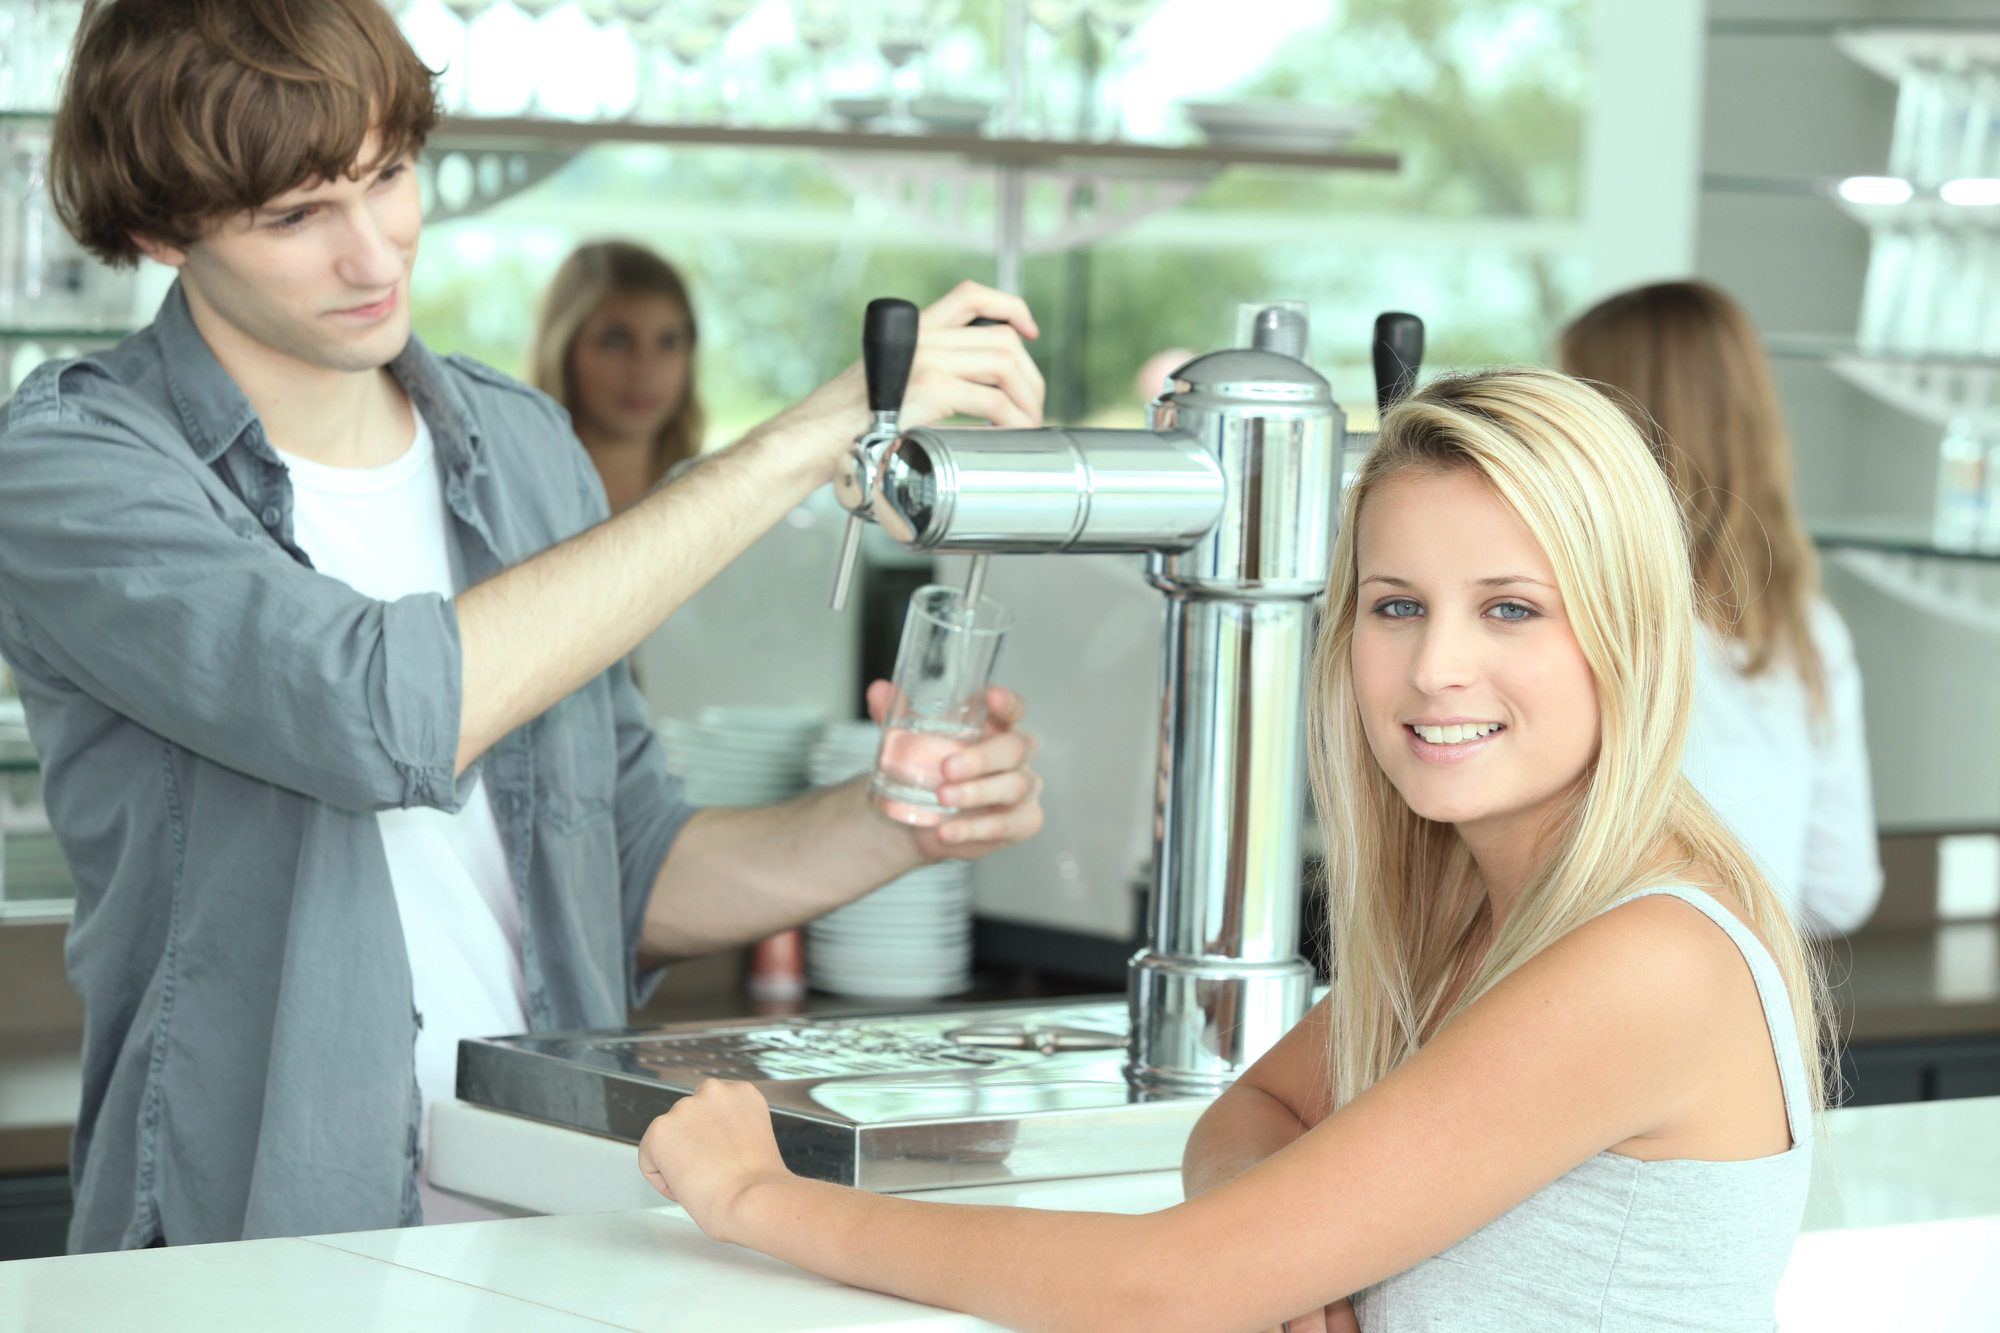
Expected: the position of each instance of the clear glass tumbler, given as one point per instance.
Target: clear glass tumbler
(943, 667)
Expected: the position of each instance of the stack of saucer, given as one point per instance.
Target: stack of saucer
(742, 755)
(911, 939)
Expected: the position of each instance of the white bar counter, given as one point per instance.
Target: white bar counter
(1903, 1231)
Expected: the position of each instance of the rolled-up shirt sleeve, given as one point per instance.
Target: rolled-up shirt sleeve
(140, 578)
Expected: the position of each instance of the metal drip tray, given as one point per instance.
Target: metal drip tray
(885, 1102)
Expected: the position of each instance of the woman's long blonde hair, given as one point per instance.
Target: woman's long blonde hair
(591, 273)
(1689, 369)
(1405, 909)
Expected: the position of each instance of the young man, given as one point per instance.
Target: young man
(321, 640)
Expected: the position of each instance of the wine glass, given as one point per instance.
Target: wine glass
(904, 30)
(723, 16)
(687, 35)
(822, 26)
(467, 11)
(1118, 19)
(1055, 18)
(536, 10)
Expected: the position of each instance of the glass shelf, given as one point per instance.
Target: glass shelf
(1893, 536)
(470, 132)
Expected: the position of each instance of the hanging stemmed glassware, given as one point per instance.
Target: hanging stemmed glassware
(649, 101)
(536, 10)
(1117, 20)
(688, 35)
(723, 16)
(904, 30)
(822, 27)
(468, 11)
(1056, 18)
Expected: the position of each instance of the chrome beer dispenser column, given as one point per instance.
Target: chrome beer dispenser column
(1231, 495)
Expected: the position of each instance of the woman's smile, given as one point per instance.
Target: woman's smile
(1451, 742)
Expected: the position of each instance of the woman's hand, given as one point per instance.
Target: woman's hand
(1000, 797)
(710, 1150)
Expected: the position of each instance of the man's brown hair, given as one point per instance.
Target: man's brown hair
(177, 112)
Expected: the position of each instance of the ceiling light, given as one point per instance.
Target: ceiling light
(1971, 191)
(1875, 190)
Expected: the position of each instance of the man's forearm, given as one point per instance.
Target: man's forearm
(738, 875)
(538, 632)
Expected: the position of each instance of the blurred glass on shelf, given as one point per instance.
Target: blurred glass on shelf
(46, 279)
(822, 27)
(1117, 20)
(1055, 86)
(1959, 523)
(468, 13)
(35, 37)
(905, 30)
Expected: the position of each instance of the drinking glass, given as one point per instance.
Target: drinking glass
(467, 11)
(1118, 19)
(822, 26)
(904, 30)
(943, 667)
(1055, 18)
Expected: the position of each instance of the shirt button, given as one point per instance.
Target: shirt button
(271, 517)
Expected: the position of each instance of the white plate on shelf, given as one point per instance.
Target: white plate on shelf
(1278, 127)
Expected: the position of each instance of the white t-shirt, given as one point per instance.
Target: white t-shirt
(385, 533)
(1794, 788)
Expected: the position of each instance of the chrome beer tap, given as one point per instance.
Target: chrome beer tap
(888, 348)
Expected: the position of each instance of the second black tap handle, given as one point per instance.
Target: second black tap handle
(888, 346)
(1399, 351)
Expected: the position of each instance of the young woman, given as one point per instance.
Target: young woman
(1778, 746)
(615, 345)
(1567, 1073)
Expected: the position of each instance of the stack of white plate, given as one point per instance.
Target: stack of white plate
(742, 755)
(911, 939)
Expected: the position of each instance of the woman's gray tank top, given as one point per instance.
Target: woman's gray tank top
(1620, 1245)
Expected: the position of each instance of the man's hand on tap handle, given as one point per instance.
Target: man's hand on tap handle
(961, 369)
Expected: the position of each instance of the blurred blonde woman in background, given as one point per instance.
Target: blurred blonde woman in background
(615, 344)
(1778, 745)
(1546, 1093)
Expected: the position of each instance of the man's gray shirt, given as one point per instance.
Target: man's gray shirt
(218, 725)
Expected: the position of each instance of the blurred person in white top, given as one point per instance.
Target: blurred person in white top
(1778, 745)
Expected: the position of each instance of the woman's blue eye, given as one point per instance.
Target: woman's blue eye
(1400, 608)
(1512, 612)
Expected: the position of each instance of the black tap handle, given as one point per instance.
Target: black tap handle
(888, 346)
(1399, 350)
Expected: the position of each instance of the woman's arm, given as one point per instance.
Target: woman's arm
(1284, 1094)
(1608, 1035)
